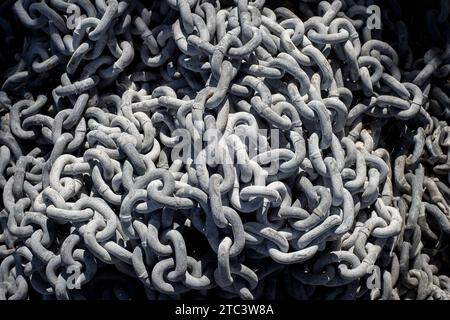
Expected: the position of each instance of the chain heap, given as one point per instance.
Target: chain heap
(328, 178)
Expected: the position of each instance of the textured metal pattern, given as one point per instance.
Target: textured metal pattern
(205, 148)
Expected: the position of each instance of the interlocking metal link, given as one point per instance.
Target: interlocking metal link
(226, 148)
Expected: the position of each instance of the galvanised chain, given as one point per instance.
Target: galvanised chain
(221, 148)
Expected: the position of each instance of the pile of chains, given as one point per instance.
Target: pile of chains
(217, 148)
